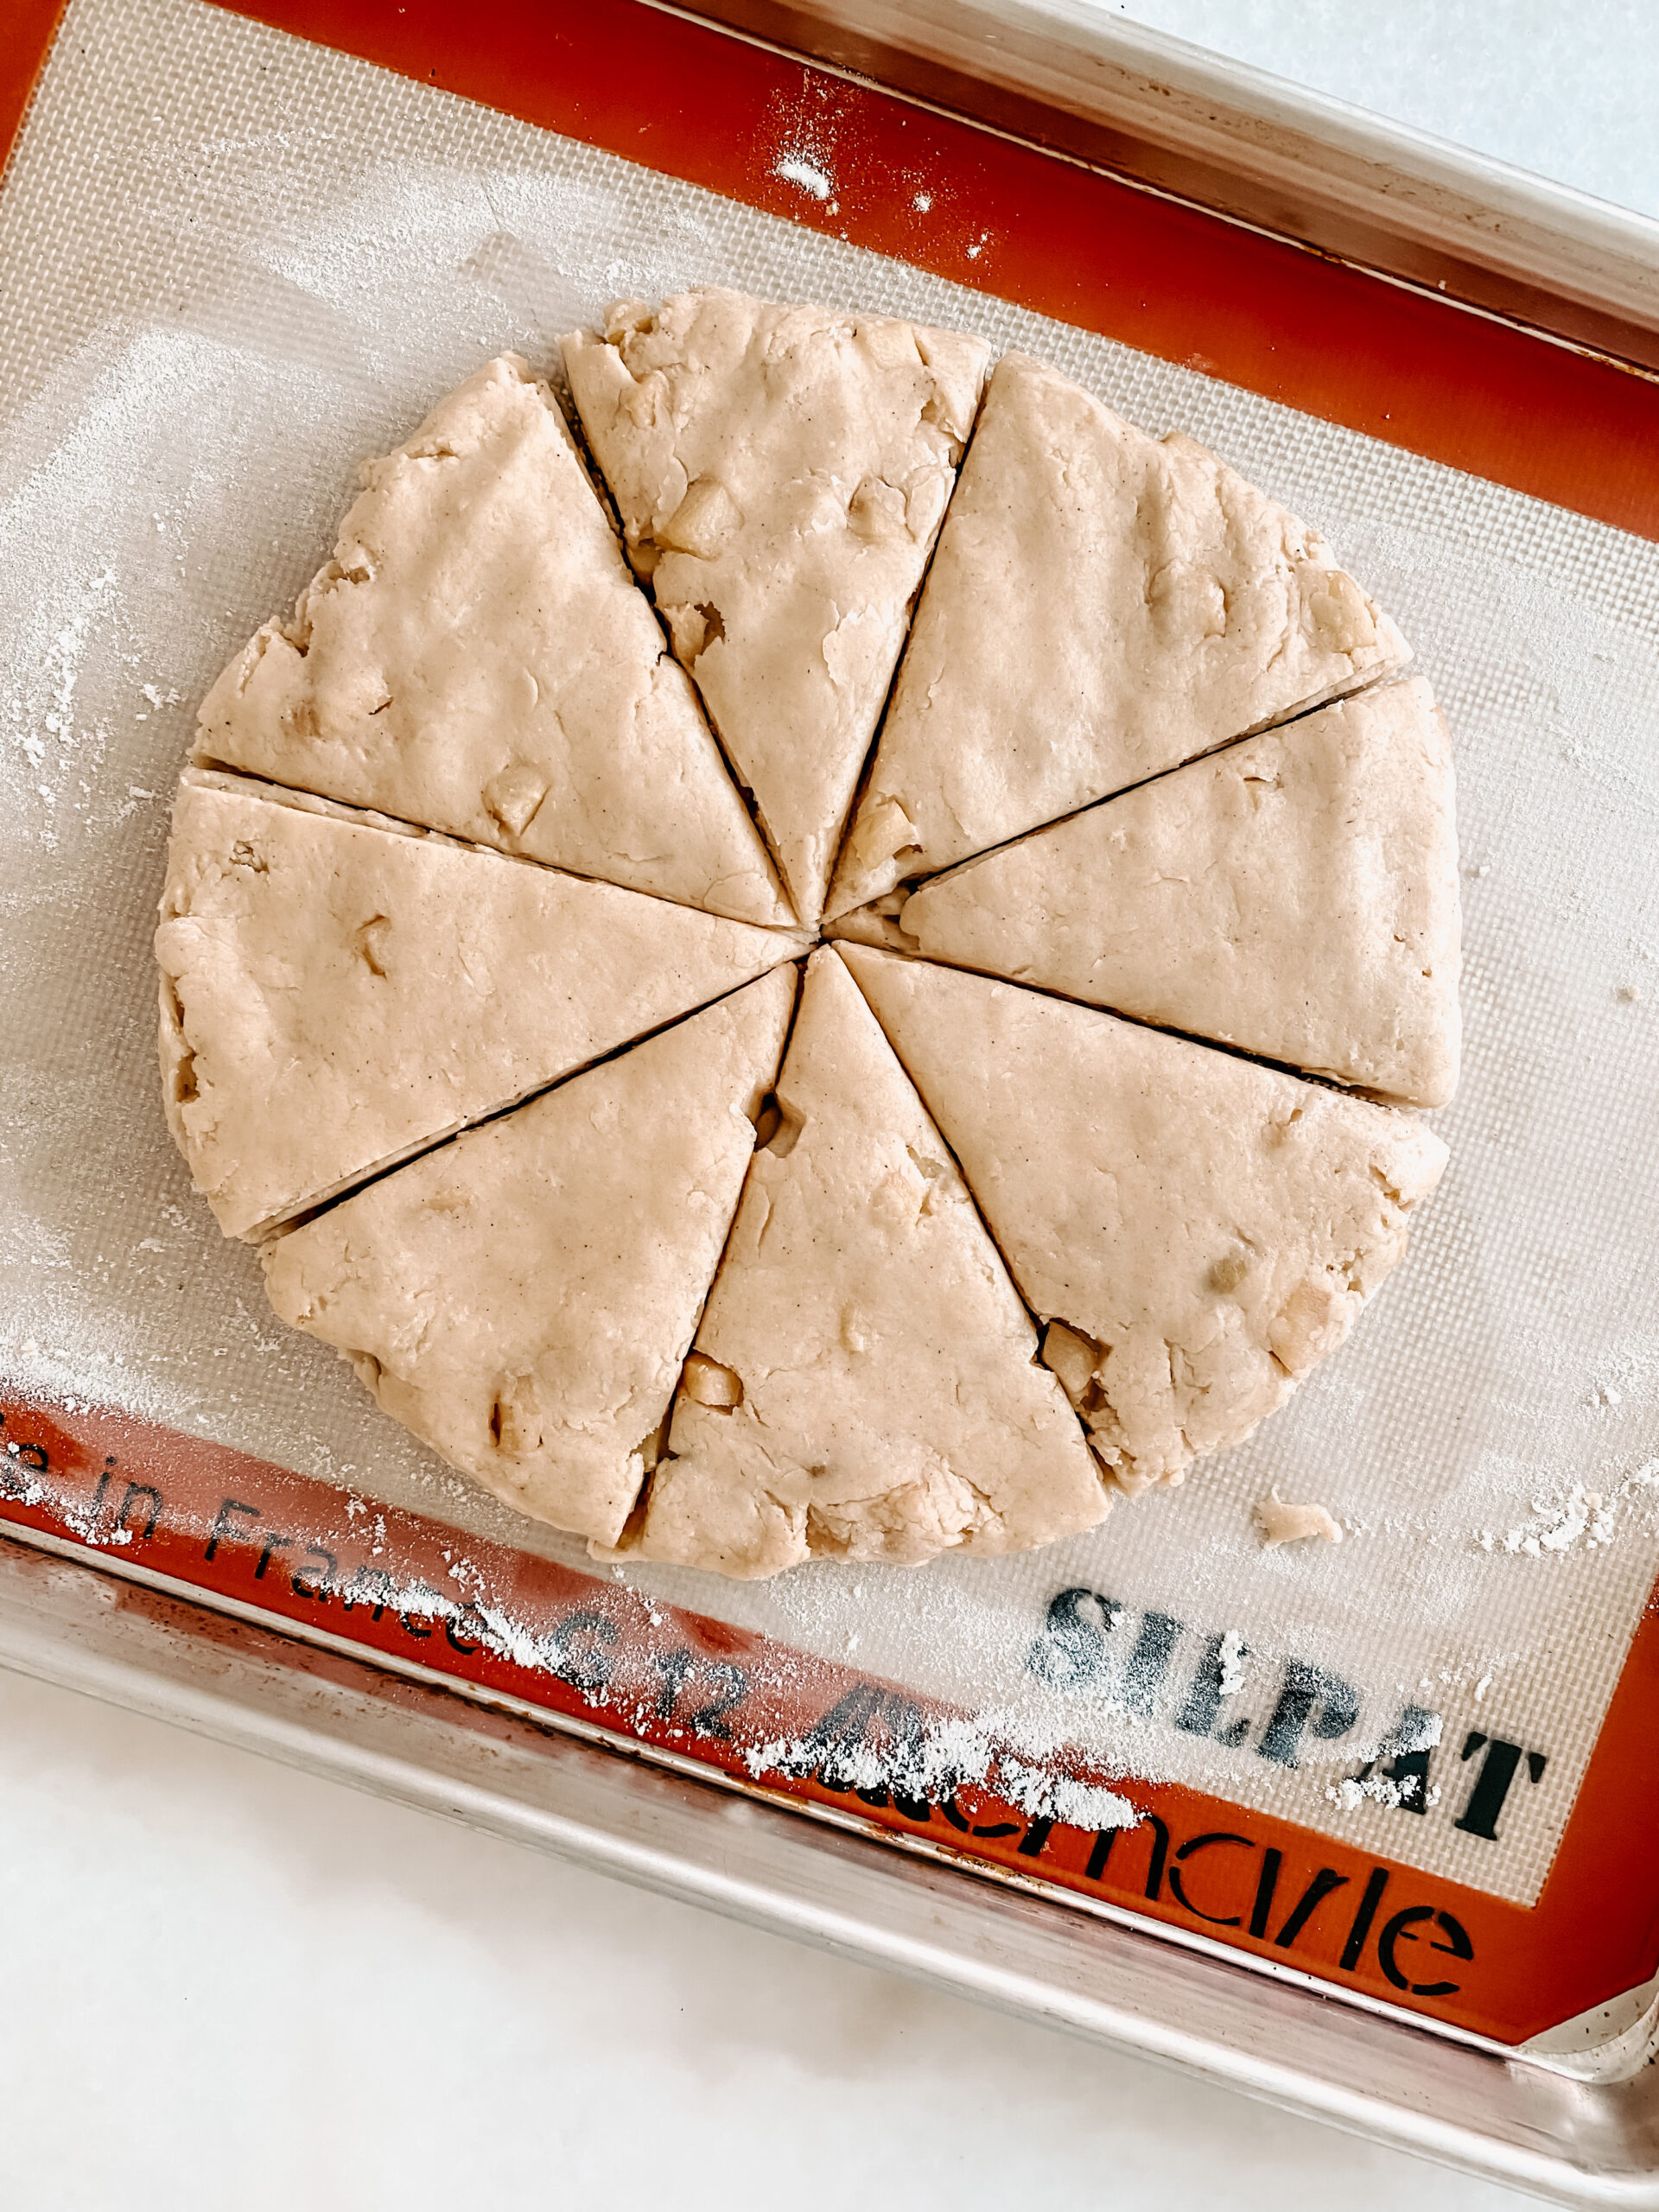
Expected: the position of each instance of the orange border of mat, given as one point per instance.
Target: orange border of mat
(133, 1493)
(686, 98)
(25, 40)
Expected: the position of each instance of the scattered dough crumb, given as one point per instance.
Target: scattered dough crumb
(1627, 994)
(1281, 1522)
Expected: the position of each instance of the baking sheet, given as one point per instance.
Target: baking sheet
(230, 265)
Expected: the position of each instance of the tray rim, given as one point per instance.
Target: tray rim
(1611, 2060)
(85, 1626)
(1239, 142)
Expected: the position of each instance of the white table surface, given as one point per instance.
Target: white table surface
(224, 1986)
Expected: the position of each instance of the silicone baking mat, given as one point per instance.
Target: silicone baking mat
(232, 263)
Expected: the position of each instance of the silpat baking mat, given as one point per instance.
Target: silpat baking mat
(232, 264)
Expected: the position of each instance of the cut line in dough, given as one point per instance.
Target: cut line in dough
(337, 995)
(866, 1384)
(524, 1298)
(1102, 606)
(476, 658)
(781, 473)
(1200, 1230)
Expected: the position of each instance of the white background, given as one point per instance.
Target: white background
(222, 1985)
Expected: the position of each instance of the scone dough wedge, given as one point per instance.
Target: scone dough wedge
(335, 994)
(863, 1384)
(477, 658)
(524, 1298)
(780, 472)
(1295, 895)
(1196, 1231)
(1102, 606)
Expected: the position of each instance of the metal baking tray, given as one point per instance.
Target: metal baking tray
(1119, 183)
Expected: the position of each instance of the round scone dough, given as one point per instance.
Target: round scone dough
(485, 1007)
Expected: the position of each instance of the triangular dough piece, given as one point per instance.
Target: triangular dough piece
(864, 1384)
(1197, 1232)
(335, 994)
(1296, 895)
(1102, 606)
(524, 1298)
(477, 658)
(780, 472)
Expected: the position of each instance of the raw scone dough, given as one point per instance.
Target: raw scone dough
(780, 472)
(863, 1385)
(524, 1298)
(1280, 1520)
(607, 1306)
(1197, 1231)
(1102, 606)
(477, 658)
(1296, 895)
(335, 994)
